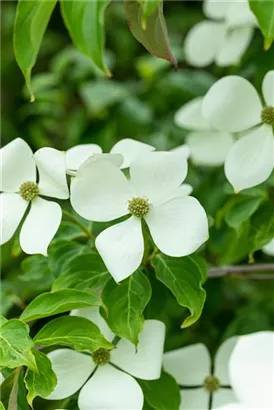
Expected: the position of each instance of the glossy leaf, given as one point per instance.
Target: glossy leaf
(85, 23)
(31, 21)
(264, 12)
(154, 36)
(16, 345)
(42, 382)
(184, 277)
(52, 303)
(72, 331)
(125, 303)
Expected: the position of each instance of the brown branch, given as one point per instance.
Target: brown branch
(243, 271)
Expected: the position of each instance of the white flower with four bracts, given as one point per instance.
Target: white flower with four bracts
(251, 371)
(106, 378)
(178, 223)
(207, 146)
(232, 104)
(224, 38)
(204, 383)
(21, 189)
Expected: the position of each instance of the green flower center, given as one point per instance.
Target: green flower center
(267, 116)
(211, 384)
(29, 190)
(101, 356)
(138, 207)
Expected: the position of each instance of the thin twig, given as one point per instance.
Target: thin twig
(77, 222)
(243, 271)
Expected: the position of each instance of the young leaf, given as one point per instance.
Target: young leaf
(154, 36)
(31, 20)
(241, 211)
(161, 394)
(52, 303)
(184, 277)
(41, 383)
(85, 272)
(264, 12)
(73, 331)
(125, 303)
(85, 23)
(16, 345)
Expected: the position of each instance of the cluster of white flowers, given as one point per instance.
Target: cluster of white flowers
(224, 38)
(106, 378)
(100, 191)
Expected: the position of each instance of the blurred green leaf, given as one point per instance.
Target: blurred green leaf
(184, 277)
(76, 332)
(264, 11)
(52, 303)
(125, 303)
(31, 20)
(262, 227)
(241, 211)
(85, 23)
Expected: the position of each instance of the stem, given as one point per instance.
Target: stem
(243, 271)
(77, 222)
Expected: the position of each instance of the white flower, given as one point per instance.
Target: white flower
(105, 386)
(251, 370)
(224, 38)
(207, 146)
(269, 248)
(20, 188)
(200, 380)
(233, 105)
(177, 223)
(128, 147)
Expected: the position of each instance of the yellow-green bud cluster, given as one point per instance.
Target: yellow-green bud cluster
(29, 190)
(138, 207)
(267, 115)
(211, 384)
(101, 356)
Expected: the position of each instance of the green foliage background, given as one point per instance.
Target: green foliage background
(75, 104)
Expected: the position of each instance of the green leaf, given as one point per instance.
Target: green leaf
(161, 394)
(241, 211)
(85, 23)
(16, 345)
(41, 383)
(261, 227)
(31, 20)
(52, 303)
(85, 272)
(154, 36)
(2, 320)
(73, 331)
(264, 12)
(2, 406)
(125, 303)
(184, 277)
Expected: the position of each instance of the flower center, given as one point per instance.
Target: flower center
(211, 384)
(267, 115)
(138, 207)
(101, 356)
(29, 190)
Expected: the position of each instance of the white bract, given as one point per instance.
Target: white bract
(102, 385)
(268, 249)
(251, 370)
(20, 188)
(177, 223)
(232, 104)
(207, 146)
(127, 147)
(191, 367)
(224, 38)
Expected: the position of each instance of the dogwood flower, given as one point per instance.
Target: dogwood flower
(177, 223)
(233, 105)
(268, 249)
(207, 146)
(224, 38)
(251, 370)
(201, 381)
(21, 190)
(106, 378)
(128, 147)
